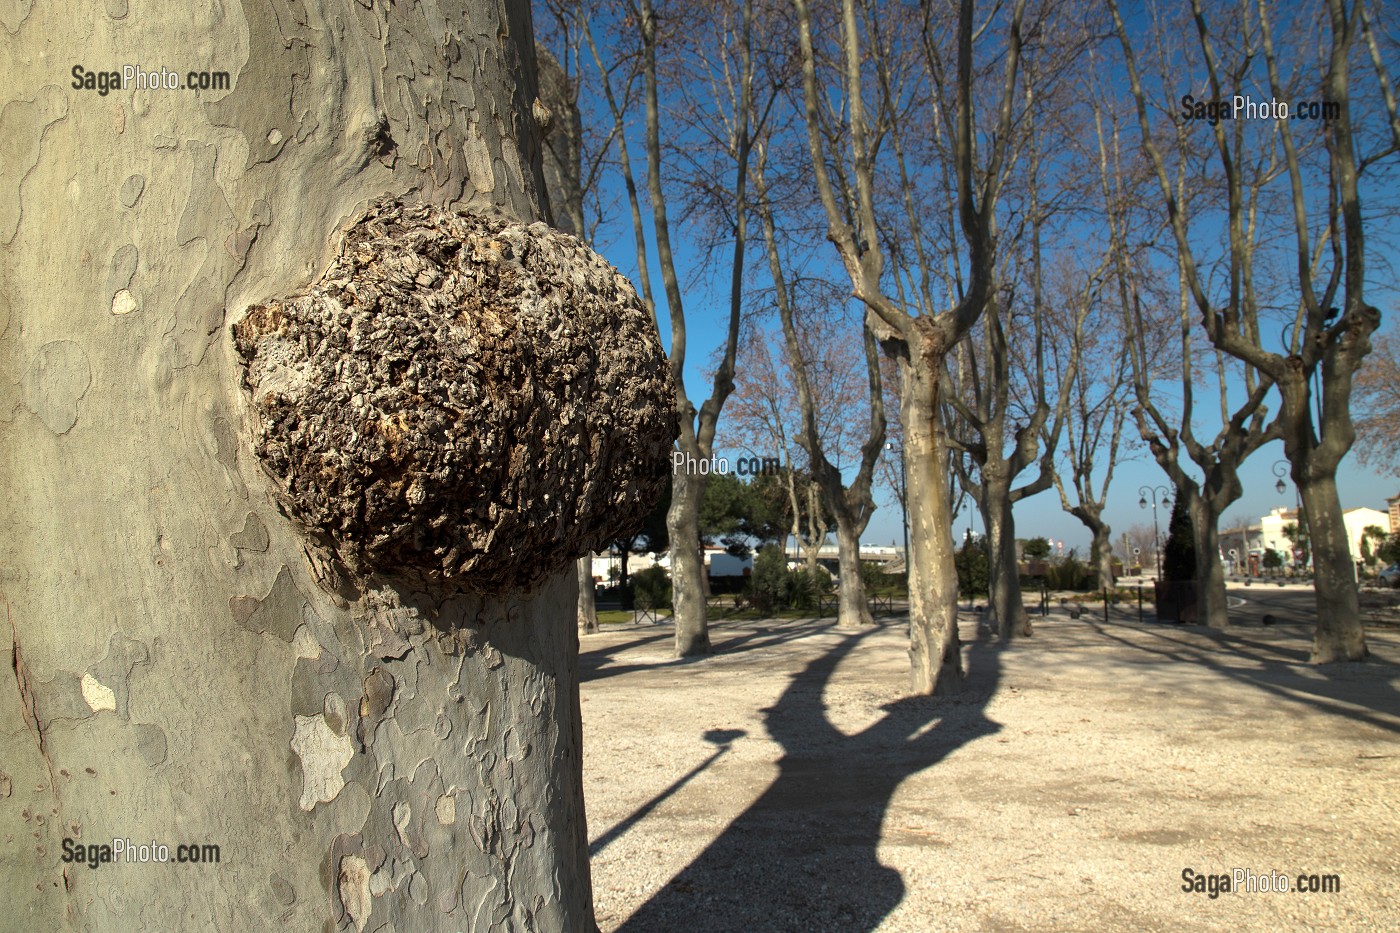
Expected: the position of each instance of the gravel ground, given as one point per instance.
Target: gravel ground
(784, 784)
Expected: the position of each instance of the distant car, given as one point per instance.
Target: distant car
(1390, 576)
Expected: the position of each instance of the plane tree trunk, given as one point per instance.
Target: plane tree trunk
(371, 740)
(587, 596)
(853, 611)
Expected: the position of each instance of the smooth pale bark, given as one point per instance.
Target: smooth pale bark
(852, 612)
(587, 602)
(687, 565)
(935, 657)
(185, 669)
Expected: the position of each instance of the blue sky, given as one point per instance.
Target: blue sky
(706, 299)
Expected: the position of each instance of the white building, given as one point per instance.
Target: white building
(1271, 527)
(718, 561)
(1357, 521)
(1271, 536)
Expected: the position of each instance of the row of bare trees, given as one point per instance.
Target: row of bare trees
(1055, 258)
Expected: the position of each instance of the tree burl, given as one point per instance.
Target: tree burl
(460, 399)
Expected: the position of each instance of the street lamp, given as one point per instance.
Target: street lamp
(903, 505)
(1152, 491)
(1281, 468)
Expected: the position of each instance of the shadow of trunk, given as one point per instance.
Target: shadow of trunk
(804, 855)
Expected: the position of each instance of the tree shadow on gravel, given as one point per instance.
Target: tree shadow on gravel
(597, 663)
(1282, 670)
(803, 856)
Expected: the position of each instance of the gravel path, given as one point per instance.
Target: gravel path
(785, 784)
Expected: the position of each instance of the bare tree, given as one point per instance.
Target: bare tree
(919, 336)
(1378, 406)
(1098, 411)
(249, 612)
(1172, 436)
(731, 34)
(763, 416)
(850, 504)
(1331, 321)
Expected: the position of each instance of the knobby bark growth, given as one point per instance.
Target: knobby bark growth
(366, 751)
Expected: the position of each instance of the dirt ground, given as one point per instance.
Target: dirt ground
(784, 784)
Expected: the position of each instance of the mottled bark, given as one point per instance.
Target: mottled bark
(935, 653)
(1003, 581)
(1339, 635)
(687, 565)
(852, 611)
(187, 668)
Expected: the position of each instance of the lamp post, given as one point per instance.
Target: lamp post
(1143, 494)
(903, 505)
(1281, 469)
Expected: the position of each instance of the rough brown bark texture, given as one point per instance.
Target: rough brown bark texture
(461, 399)
(371, 754)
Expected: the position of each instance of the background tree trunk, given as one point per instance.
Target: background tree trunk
(853, 612)
(587, 603)
(1004, 582)
(1212, 607)
(1339, 635)
(687, 566)
(184, 672)
(1101, 548)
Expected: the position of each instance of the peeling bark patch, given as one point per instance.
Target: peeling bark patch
(131, 190)
(446, 810)
(353, 885)
(123, 303)
(379, 693)
(460, 399)
(253, 537)
(323, 756)
(23, 124)
(98, 695)
(151, 744)
(279, 613)
(56, 382)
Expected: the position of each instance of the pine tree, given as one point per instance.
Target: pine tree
(1179, 555)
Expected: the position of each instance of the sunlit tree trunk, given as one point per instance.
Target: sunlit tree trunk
(853, 611)
(935, 653)
(185, 669)
(587, 593)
